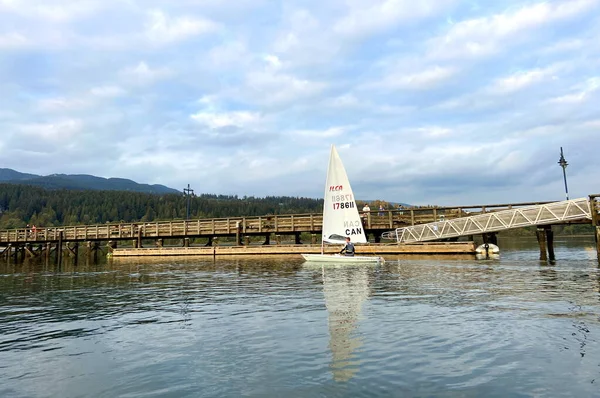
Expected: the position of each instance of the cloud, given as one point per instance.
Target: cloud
(143, 74)
(216, 120)
(13, 40)
(370, 17)
(58, 130)
(427, 101)
(110, 91)
(415, 80)
(483, 36)
(583, 92)
(521, 80)
(163, 29)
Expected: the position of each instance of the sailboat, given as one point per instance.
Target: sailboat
(340, 216)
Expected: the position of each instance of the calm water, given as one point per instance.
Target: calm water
(273, 327)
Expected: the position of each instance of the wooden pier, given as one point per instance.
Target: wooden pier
(271, 230)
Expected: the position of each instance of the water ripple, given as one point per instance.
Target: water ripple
(273, 327)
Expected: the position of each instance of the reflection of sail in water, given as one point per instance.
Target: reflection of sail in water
(345, 288)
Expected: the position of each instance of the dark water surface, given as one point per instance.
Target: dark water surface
(274, 327)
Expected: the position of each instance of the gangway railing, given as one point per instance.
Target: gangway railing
(549, 213)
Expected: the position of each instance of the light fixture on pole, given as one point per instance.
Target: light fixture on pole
(563, 163)
(187, 191)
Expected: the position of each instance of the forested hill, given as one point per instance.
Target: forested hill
(21, 205)
(80, 182)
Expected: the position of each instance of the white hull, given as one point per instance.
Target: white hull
(337, 258)
(492, 249)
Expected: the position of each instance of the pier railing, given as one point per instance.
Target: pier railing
(543, 214)
(375, 221)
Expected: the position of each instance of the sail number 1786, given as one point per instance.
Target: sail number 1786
(343, 205)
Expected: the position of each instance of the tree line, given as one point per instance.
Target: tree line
(21, 205)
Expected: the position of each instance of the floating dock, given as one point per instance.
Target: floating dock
(261, 250)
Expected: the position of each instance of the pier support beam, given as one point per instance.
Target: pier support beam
(238, 233)
(267, 239)
(598, 242)
(545, 238)
(140, 233)
(297, 238)
(550, 242)
(595, 223)
(47, 251)
(541, 238)
(59, 249)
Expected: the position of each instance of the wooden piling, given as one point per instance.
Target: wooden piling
(550, 242)
(595, 223)
(541, 238)
(59, 249)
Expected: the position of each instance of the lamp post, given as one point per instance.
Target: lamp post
(563, 163)
(187, 191)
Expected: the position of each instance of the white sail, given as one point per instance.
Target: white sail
(340, 214)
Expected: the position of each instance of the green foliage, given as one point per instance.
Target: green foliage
(21, 205)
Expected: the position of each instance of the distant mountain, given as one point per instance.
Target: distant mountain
(80, 182)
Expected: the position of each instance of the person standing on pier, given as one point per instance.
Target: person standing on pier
(366, 209)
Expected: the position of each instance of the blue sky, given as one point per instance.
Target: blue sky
(428, 102)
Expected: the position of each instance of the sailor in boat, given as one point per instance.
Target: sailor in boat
(348, 248)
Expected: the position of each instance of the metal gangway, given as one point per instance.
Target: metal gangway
(549, 213)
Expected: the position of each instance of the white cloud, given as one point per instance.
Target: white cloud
(143, 74)
(424, 90)
(343, 101)
(374, 16)
(272, 88)
(50, 131)
(416, 80)
(487, 35)
(163, 29)
(62, 104)
(107, 91)
(216, 120)
(583, 92)
(13, 40)
(54, 11)
(521, 80)
(330, 132)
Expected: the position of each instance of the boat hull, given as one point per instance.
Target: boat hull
(491, 249)
(336, 258)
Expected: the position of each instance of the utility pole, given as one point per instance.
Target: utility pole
(563, 163)
(188, 192)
